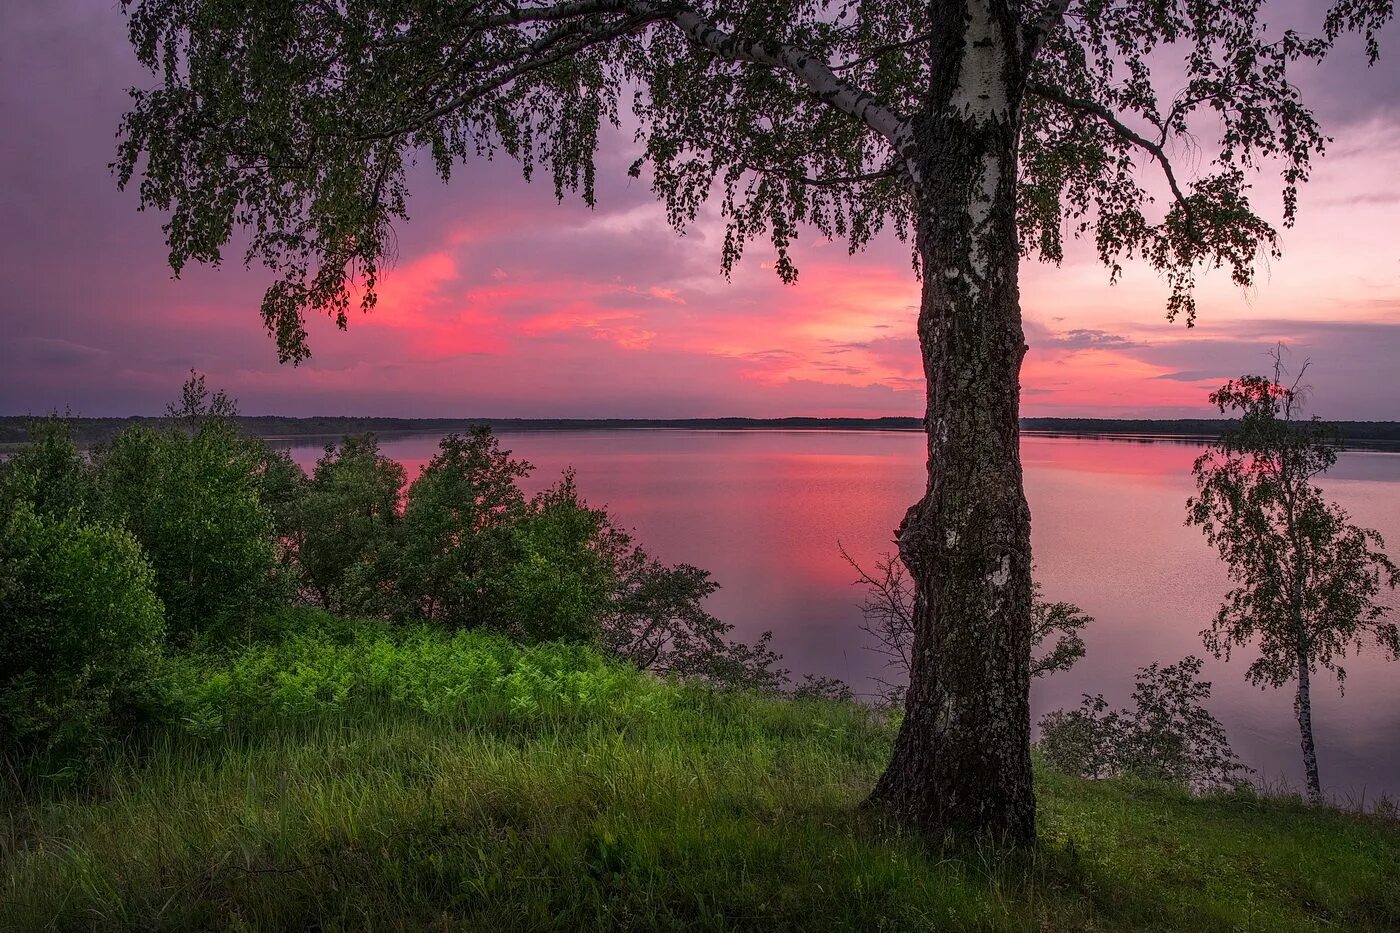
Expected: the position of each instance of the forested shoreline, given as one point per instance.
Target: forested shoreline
(14, 428)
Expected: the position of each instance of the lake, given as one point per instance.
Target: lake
(764, 510)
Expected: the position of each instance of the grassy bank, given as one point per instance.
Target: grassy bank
(351, 779)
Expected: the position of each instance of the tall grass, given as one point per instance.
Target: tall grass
(363, 779)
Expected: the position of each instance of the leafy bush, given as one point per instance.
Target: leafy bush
(457, 531)
(48, 473)
(80, 632)
(345, 519)
(657, 620)
(1168, 735)
(191, 496)
(281, 489)
(560, 578)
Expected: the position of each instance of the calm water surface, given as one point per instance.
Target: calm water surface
(763, 511)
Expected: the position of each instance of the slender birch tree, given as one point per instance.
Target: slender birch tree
(1308, 579)
(981, 131)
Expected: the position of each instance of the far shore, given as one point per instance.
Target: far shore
(1381, 435)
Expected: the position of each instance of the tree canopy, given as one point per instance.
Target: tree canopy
(291, 125)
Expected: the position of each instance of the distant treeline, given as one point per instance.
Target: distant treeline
(96, 430)
(1360, 432)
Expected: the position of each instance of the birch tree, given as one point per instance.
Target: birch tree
(981, 131)
(1308, 580)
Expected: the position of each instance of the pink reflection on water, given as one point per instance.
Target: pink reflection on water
(763, 511)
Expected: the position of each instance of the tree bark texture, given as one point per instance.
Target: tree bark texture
(1303, 707)
(961, 762)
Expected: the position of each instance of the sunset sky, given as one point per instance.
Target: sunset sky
(502, 303)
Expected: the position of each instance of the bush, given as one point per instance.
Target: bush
(281, 489)
(1168, 735)
(560, 578)
(80, 634)
(344, 521)
(48, 473)
(656, 619)
(457, 532)
(192, 499)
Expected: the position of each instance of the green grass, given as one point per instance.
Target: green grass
(351, 779)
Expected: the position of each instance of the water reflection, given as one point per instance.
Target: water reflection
(763, 511)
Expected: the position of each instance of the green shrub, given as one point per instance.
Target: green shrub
(345, 520)
(80, 632)
(457, 531)
(1169, 735)
(559, 583)
(48, 472)
(191, 498)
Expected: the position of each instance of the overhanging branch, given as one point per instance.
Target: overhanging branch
(1120, 129)
(574, 32)
(828, 181)
(811, 71)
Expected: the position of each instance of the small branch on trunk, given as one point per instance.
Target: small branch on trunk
(828, 181)
(881, 51)
(1046, 24)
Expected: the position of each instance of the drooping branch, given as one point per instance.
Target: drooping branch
(550, 49)
(830, 181)
(807, 68)
(1119, 128)
(572, 37)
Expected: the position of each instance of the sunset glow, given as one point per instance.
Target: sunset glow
(502, 303)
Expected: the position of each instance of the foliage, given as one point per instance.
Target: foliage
(657, 621)
(1168, 735)
(1307, 579)
(653, 807)
(48, 472)
(457, 530)
(191, 496)
(560, 578)
(345, 520)
(80, 633)
(888, 612)
(296, 123)
(281, 487)
(323, 665)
